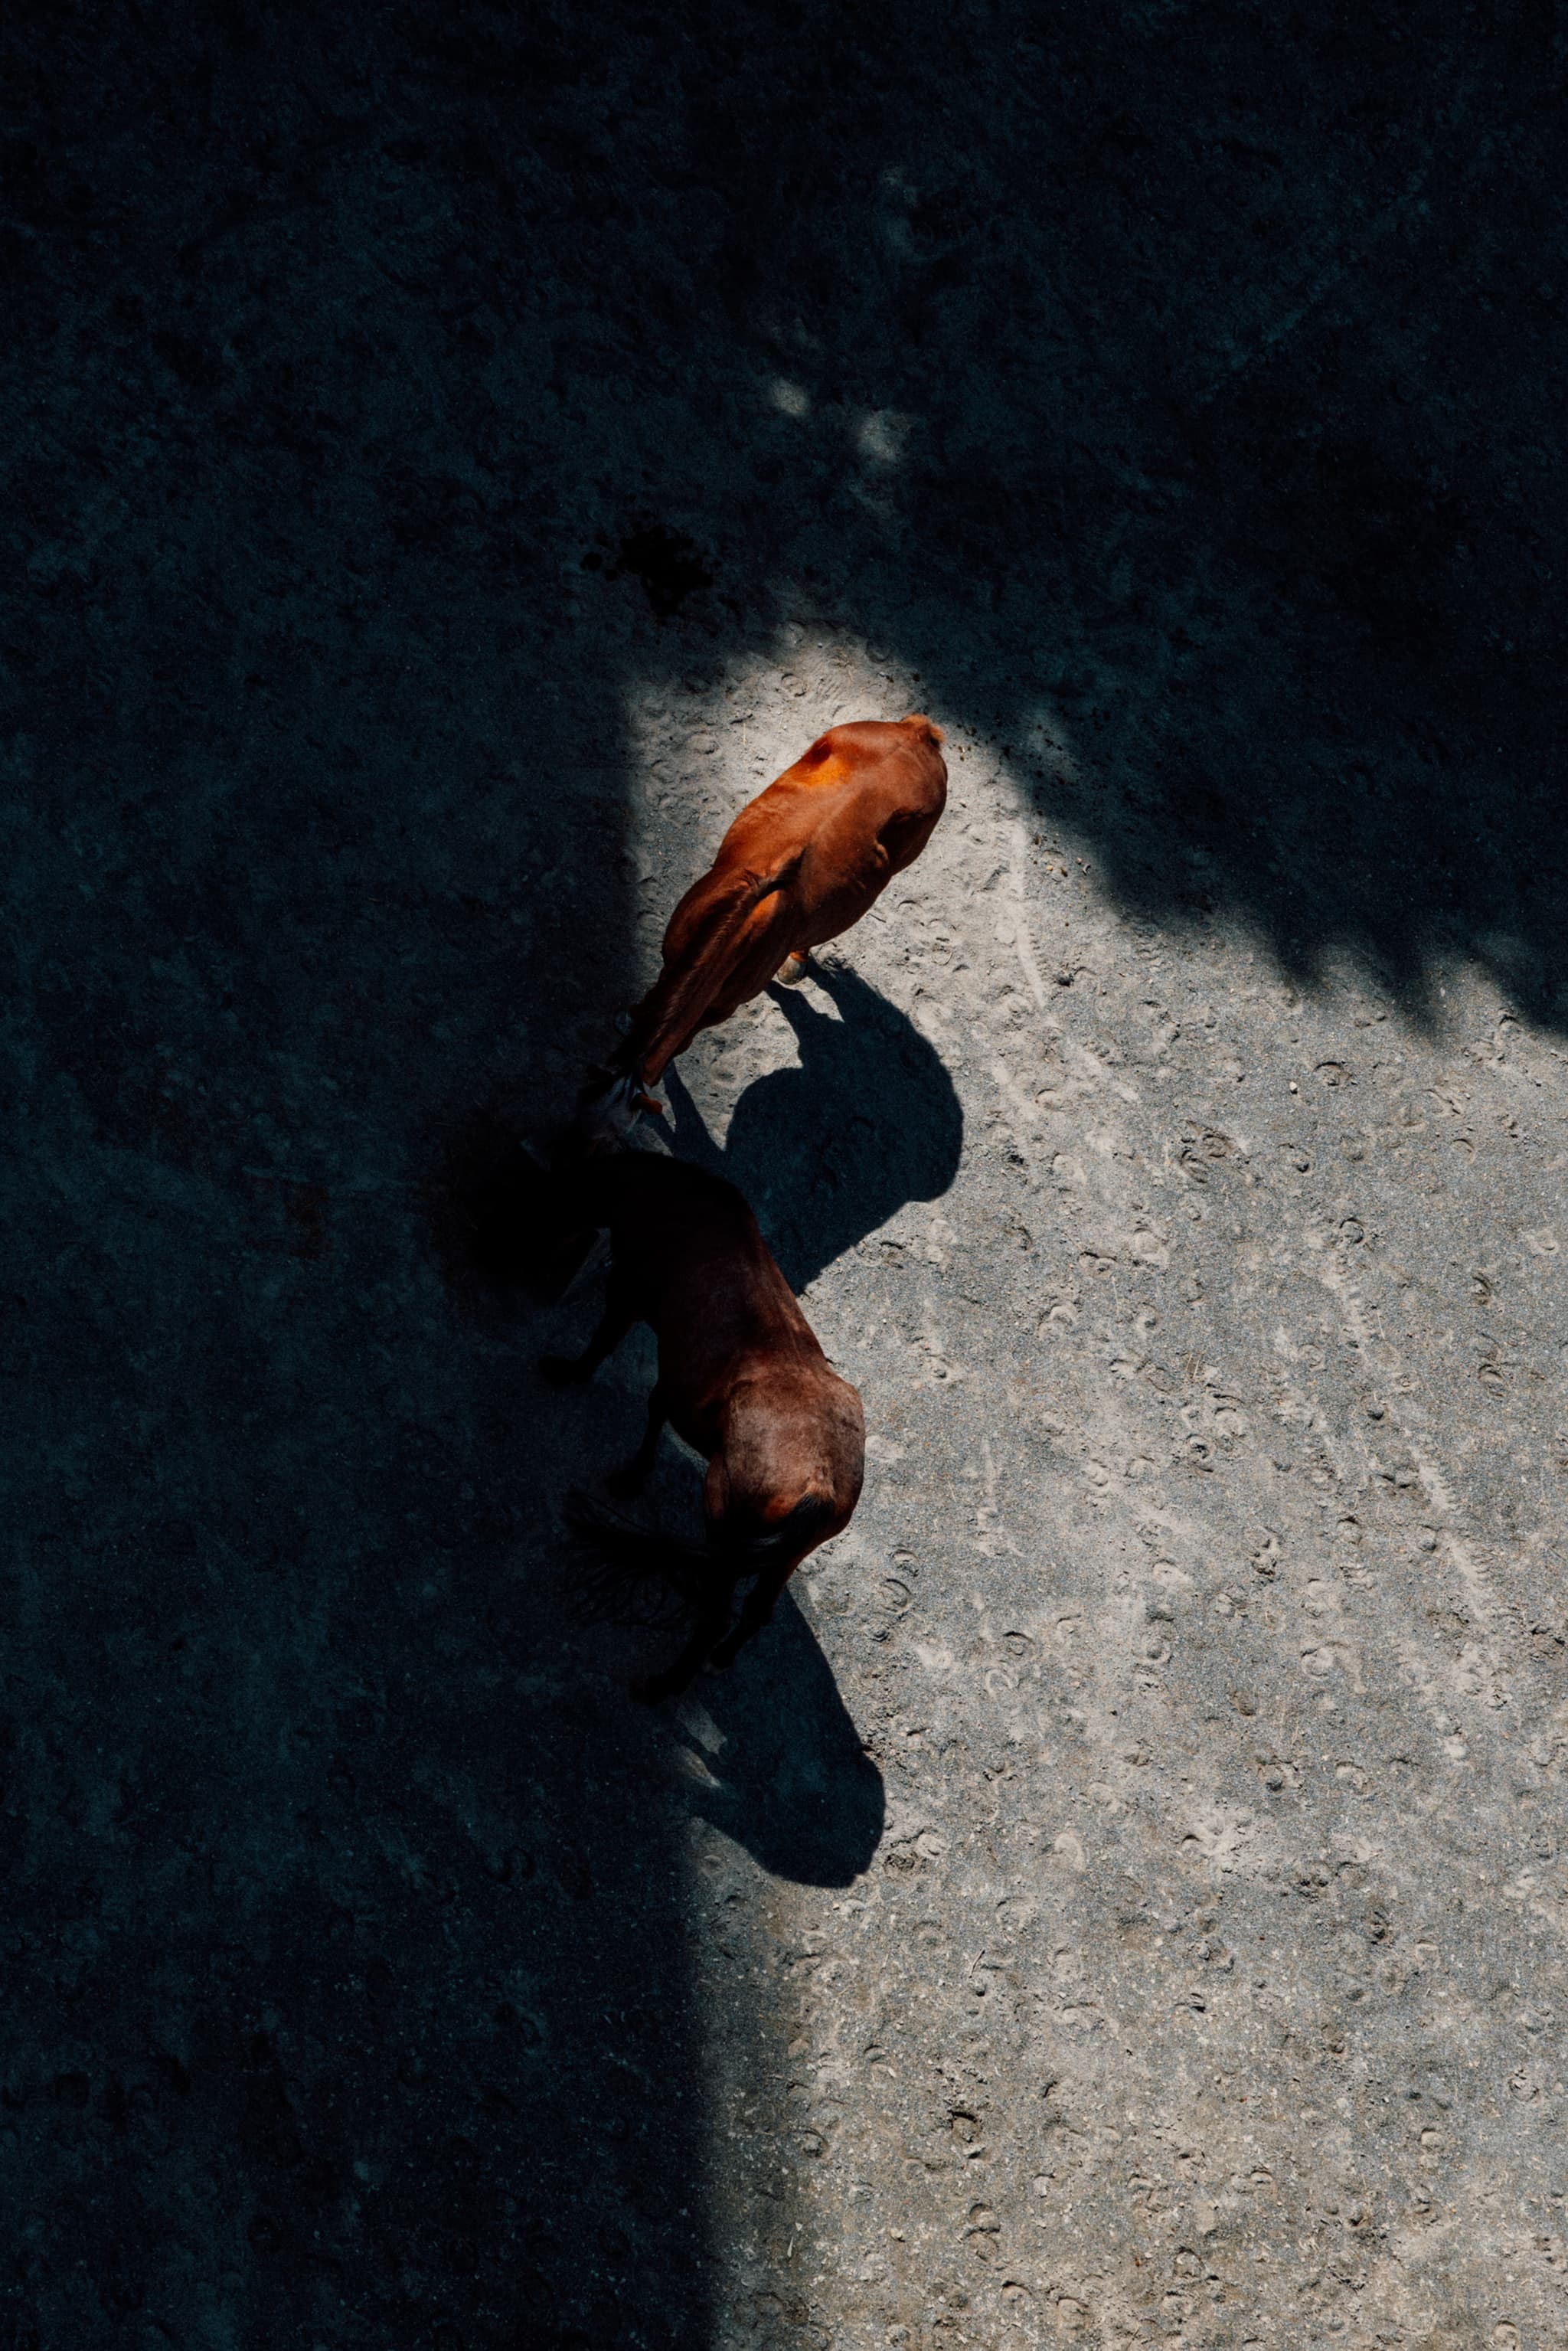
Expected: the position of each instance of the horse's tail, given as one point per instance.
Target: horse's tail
(722, 905)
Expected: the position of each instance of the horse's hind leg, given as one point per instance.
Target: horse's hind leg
(630, 1480)
(758, 1606)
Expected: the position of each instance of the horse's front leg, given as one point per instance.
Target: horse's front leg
(675, 1679)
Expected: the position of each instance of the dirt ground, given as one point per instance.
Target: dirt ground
(451, 457)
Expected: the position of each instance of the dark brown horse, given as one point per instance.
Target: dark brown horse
(742, 1377)
(800, 864)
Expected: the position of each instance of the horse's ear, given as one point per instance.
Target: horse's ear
(820, 753)
(928, 727)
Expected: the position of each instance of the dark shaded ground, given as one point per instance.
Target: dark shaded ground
(384, 389)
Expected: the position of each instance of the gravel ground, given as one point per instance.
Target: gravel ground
(452, 458)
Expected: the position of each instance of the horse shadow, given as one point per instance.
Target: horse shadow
(827, 1151)
(789, 1779)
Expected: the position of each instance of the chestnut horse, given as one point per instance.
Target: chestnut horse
(742, 1377)
(800, 864)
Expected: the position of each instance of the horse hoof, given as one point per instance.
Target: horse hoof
(793, 970)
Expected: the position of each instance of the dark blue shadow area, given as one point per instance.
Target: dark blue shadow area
(828, 1150)
(796, 1787)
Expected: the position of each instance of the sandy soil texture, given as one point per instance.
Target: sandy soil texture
(450, 458)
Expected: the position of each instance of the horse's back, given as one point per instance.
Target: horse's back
(851, 783)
